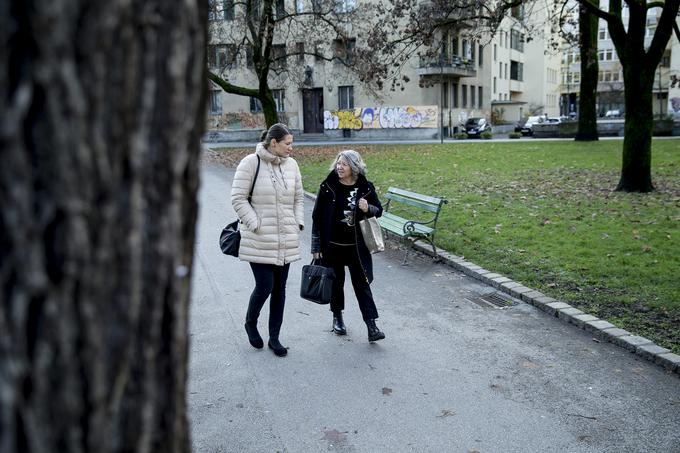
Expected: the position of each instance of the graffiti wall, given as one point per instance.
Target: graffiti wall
(402, 117)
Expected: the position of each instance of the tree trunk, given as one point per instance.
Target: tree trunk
(636, 169)
(269, 108)
(587, 114)
(101, 115)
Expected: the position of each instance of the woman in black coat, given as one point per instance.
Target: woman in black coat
(345, 197)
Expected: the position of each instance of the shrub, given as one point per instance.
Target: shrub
(514, 135)
(487, 135)
(460, 136)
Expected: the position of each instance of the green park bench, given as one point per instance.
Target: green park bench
(413, 207)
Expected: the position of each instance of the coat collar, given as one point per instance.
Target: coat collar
(268, 156)
(333, 180)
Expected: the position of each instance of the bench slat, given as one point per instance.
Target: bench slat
(426, 206)
(415, 196)
(395, 224)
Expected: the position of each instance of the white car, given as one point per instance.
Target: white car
(527, 128)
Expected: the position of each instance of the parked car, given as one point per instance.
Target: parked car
(474, 127)
(553, 120)
(527, 128)
(613, 114)
(520, 124)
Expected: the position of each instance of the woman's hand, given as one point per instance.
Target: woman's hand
(317, 255)
(363, 205)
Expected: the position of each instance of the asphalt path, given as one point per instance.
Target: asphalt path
(453, 375)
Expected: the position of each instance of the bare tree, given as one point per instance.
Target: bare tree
(639, 64)
(101, 116)
(587, 102)
(271, 39)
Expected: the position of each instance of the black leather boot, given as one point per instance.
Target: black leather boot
(338, 324)
(277, 347)
(254, 336)
(374, 334)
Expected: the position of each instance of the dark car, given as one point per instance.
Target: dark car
(474, 127)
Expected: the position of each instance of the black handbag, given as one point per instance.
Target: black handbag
(317, 283)
(230, 237)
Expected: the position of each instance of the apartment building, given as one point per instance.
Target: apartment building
(502, 78)
(610, 88)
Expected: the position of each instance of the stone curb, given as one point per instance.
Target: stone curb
(600, 328)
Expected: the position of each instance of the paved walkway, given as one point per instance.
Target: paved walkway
(453, 375)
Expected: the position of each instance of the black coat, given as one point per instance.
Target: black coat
(322, 217)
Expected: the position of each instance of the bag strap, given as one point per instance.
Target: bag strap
(252, 187)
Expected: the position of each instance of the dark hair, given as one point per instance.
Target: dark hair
(276, 132)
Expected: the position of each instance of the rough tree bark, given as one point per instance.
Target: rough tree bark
(587, 114)
(101, 115)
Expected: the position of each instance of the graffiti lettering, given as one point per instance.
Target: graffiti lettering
(382, 117)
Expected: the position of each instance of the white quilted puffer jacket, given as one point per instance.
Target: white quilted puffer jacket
(270, 227)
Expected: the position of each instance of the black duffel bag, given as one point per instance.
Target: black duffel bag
(230, 239)
(317, 283)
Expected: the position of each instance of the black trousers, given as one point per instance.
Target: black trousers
(339, 257)
(270, 280)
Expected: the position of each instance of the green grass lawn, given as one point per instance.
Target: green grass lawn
(544, 214)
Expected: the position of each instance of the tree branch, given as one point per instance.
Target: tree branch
(231, 88)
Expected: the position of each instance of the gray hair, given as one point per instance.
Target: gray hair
(353, 159)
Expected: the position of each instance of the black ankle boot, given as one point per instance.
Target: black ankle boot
(254, 336)
(277, 347)
(374, 334)
(338, 324)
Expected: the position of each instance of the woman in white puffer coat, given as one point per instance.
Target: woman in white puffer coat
(270, 227)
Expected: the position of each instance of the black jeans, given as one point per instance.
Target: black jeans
(269, 280)
(338, 257)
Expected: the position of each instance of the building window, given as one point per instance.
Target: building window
(221, 56)
(602, 33)
(517, 12)
(445, 95)
(300, 50)
(280, 9)
(343, 49)
(466, 49)
(279, 56)
(516, 70)
(506, 71)
(220, 10)
(255, 105)
(279, 98)
(500, 70)
(346, 97)
(215, 102)
(494, 85)
(481, 52)
(249, 57)
(463, 90)
(479, 97)
(495, 52)
(345, 6)
(472, 96)
(299, 6)
(516, 40)
(454, 94)
(317, 51)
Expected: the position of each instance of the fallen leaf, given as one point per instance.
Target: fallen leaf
(386, 391)
(447, 413)
(529, 364)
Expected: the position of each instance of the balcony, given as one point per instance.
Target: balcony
(451, 66)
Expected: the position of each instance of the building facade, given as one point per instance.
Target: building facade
(502, 78)
(610, 88)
